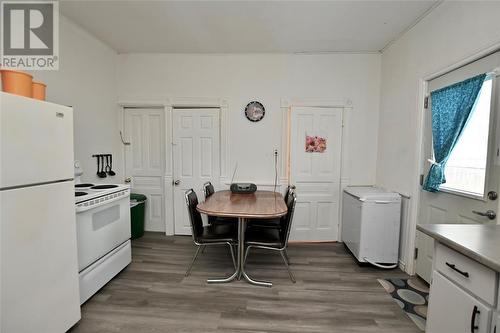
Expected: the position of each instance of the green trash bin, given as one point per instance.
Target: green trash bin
(137, 211)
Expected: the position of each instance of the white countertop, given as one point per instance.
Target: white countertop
(478, 242)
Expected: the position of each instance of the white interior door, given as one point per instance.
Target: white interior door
(196, 158)
(447, 207)
(316, 174)
(145, 160)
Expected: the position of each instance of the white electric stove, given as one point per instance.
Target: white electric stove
(103, 234)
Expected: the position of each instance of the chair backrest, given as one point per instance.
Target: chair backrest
(289, 189)
(208, 189)
(286, 223)
(194, 215)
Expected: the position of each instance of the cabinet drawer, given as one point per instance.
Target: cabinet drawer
(473, 276)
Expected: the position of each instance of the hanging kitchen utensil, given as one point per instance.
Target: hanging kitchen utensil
(97, 158)
(102, 173)
(106, 168)
(109, 165)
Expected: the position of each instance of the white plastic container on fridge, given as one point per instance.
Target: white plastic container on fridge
(371, 219)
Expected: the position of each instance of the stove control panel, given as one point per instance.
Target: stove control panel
(102, 200)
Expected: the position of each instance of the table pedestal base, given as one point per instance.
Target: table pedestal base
(240, 266)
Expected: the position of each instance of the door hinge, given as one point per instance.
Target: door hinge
(415, 255)
(421, 179)
(426, 102)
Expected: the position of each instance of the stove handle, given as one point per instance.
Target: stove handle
(80, 209)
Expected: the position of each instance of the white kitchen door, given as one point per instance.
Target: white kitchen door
(196, 158)
(145, 160)
(450, 206)
(315, 160)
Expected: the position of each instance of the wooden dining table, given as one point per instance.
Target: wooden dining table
(257, 205)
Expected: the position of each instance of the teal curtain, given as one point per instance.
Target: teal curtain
(451, 108)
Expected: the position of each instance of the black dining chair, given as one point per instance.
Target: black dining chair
(207, 235)
(270, 223)
(208, 190)
(273, 239)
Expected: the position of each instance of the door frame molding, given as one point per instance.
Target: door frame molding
(347, 107)
(169, 104)
(414, 209)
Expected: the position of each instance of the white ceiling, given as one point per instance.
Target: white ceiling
(246, 26)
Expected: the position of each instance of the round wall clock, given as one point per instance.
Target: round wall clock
(255, 111)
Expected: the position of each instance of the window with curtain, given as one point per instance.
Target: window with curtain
(466, 167)
(460, 116)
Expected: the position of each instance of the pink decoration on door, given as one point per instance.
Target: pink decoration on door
(315, 144)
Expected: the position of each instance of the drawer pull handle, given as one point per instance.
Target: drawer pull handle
(475, 312)
(453, 267)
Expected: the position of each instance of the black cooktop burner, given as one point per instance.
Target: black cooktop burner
(79, 194)
(84, 185)
(103, 187)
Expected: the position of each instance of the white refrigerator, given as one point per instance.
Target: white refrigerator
(38, 256)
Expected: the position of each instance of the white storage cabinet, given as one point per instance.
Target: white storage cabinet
(462, 294)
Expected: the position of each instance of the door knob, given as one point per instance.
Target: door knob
(176, 182)
(489, 214)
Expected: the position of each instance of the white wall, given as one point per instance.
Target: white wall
(86, 81)
(267, 78)
(451, 33)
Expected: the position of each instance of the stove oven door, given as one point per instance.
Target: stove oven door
(102, 229)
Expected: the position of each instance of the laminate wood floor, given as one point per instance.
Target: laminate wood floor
(332, 294)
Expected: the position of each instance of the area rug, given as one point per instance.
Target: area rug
(412, 296)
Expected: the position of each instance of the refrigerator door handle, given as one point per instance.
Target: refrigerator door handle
(382, 202)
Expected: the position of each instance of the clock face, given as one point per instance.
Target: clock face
(255, 111)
